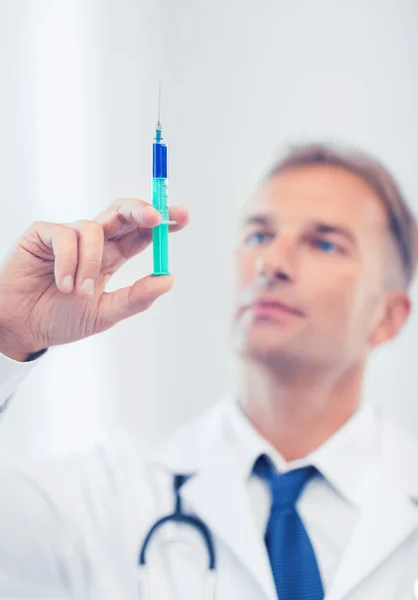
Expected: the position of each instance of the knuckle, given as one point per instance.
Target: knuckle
(83, 223)
(69, 231)
(128, 203)
(145, 204)
(93, 228)
(36, 226)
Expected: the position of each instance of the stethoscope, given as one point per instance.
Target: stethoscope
(181, 517)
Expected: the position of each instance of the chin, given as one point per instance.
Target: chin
(263, 346)
(266, 340)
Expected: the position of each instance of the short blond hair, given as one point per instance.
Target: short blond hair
(402, 223)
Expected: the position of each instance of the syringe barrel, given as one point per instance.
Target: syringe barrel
(159, 202)
(160, 232)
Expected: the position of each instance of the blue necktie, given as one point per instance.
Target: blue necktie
(292, 558)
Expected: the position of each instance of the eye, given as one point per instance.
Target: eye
(258, 237)
(325, 246)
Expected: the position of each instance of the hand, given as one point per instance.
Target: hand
(52, 284)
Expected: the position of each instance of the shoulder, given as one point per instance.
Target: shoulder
(67, 480)
(115, 464)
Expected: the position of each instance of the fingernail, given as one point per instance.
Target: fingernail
(137, 213)
(87, 287)
(68, 283)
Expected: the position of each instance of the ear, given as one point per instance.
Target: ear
(395, 314)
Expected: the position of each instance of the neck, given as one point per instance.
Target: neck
(296, 413)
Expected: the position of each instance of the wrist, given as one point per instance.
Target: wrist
(34, 355)
(11, 347)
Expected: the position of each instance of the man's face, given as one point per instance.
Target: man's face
(311, 264)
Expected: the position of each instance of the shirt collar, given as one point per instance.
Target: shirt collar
(343, 459)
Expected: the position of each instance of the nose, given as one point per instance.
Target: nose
(277, 261)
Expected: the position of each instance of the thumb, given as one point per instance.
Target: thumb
(126, 302)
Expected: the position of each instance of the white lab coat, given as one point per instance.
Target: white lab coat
(73, 529)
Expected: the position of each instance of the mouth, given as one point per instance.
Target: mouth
(272, 309)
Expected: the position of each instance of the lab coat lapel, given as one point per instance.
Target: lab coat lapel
(218, 496)
(387, 518)
(222, 501)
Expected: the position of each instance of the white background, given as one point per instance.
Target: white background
(78, 101)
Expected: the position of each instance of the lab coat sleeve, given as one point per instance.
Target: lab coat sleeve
(63, 519)
(12, 373)
(54, 523)
(39, 554)
(55, 530)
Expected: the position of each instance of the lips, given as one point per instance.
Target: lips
(273, 307)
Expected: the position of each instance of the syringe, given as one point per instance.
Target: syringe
(159, 199)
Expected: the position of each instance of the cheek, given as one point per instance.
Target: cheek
(244, 270)
(346, 305)
(333, 293)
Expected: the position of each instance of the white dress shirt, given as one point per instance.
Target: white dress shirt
(330, 504)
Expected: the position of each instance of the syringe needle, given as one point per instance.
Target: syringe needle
(159, 105)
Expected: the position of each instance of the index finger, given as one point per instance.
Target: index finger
(125, 215)
(130, 214)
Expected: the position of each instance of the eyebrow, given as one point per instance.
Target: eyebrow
(318, 226)
(261, 219)
(321, 227)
